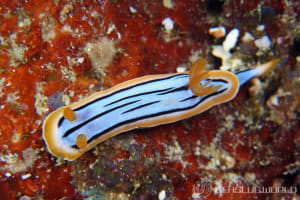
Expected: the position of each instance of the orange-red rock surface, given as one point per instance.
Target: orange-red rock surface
(53, 53)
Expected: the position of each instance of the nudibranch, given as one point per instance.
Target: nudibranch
(141, 102)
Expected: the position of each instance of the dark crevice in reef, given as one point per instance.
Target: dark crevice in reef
(214, 6)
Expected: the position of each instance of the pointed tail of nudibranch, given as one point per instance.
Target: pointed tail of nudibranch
(259, 70)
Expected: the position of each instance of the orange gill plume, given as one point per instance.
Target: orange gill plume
(196, 75)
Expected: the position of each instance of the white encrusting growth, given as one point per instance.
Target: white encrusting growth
(41, 105)
(231, 39)
(168, 4)
(168, 24)
(101, 53)
(247, 37)
(132, 9)
(260, 27)
(180, 69)
(223, 51)
(162, 195)
(219, 52)
(231, 60)
(217, 32)
(263, 43)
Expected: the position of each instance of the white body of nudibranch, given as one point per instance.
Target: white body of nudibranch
(142, 102)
